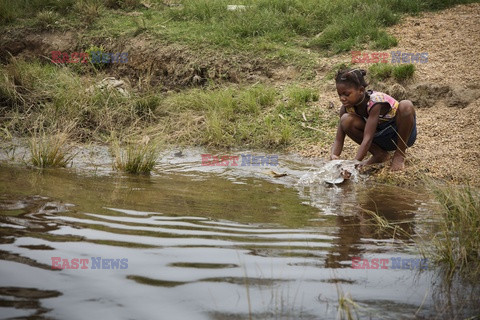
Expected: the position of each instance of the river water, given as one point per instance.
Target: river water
(213, 242)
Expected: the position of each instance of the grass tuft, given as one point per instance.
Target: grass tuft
(383, 71)
(50, 151)
(384, 227)
(136, 158)
(384, 41)
(403, 72)
(122, 4)
(96, 51)
(458, 242)
(300, 95)
(46, 19)
(380, 71)
(89, 9)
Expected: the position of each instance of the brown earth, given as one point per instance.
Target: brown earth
(153, 64)
(445, 90)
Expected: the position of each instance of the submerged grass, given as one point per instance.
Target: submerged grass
(457, 243)
(347, 308)
(383, 226)
(453, 243)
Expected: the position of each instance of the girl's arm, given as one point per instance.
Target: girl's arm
(369, 132)
(337, 146)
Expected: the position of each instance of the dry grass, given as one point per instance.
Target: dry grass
(50, 150)
(347, 308)
(47, 19)
(457, 244)
(135, 158)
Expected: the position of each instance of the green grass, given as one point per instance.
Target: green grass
(403, 72)
(330, 25)
(383, 71)
(46, 19)
(325, 24)
(12, 10)
(256, 116)
(299, 95)
(458, 240)
(380, 71)
(92, 51)
(226, 116)
(294, 32)
(123, 4)
(58, 95)
(89, 10)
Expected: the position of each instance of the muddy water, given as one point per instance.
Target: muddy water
(204, 242)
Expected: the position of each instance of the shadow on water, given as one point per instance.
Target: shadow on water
(210, 243)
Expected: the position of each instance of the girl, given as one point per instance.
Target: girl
(374, 120)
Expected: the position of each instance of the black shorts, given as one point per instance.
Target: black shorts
(386, 136)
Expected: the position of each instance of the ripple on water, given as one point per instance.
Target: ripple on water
(203, 249)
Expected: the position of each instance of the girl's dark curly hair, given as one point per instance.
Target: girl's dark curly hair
(353, 77)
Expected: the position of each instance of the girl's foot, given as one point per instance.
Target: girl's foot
(378, 157)
(398, 162)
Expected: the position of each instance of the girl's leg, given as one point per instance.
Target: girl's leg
(354, 126)
(405, 118)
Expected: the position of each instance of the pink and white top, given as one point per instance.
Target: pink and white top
(383, 98)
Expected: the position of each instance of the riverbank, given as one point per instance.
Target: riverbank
(278, 98)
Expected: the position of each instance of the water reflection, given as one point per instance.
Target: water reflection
(358, 223)
(202, 247)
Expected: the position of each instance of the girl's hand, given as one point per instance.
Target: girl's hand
(334, 157)
(361, 164)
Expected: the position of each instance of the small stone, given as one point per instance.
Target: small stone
(235, 7)
(196, 79)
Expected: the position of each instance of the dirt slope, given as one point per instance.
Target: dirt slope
(448, 116)
(449, 141)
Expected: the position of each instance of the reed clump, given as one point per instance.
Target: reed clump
(50, 150)
(136, 158)
(457, 242)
